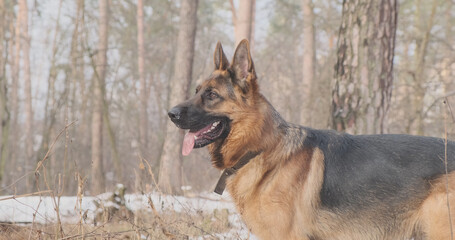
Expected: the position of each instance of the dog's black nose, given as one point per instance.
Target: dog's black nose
(174, 113)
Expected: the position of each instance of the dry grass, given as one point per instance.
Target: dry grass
(169, 225)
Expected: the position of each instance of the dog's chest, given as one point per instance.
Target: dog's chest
(263, 204)
(268, 218)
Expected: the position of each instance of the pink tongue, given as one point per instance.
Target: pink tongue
(188, 143)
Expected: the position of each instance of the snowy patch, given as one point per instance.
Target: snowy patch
(23, 210)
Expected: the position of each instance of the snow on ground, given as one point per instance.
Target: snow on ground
(23, 210)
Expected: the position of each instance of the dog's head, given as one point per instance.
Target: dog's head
(220, 102)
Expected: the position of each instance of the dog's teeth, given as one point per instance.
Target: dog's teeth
(212, 127)
(195, 137)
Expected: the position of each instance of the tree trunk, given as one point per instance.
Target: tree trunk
(419, 73)
(98, 179)
(84, 91)
(253, 25)
(15, 57)
(50, 118)
(75, 76)
(170, 177)
(309, 58)
(143, 119)
(243, 20)
(363, 72)
(141, 175)
(4, 113)
(27, 89)
(447, 76)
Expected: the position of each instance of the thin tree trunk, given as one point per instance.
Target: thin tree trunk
(2, 67)
(76, 59)
(106, 120)
(419, 77)
(27, 89)
(50, 106)
(243, 20)
(253, 25)
(110, 131)
(4, 113)
(53, 94)
(143, 119)
(15, 55)
(98, 184)
(402, 92)
(84, 109)
(309, 58)
(362, 92)
(170, 177)
(75, 76)
(140, 174)
(447, 77)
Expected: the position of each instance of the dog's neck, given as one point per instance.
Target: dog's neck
(221, 185)
(267, 132)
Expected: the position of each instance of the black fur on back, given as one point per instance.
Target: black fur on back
(377, 170)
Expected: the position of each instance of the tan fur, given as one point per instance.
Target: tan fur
(267, 194)
(248, 124)
(434, 211)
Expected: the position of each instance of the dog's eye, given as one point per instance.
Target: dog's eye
(212, 95)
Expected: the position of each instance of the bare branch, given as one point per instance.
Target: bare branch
(25, 195)
(449, 94)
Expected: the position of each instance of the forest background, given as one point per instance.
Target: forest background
(85, 85)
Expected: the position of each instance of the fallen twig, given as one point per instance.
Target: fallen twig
(25, 195)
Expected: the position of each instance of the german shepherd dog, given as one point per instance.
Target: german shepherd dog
(294, 182)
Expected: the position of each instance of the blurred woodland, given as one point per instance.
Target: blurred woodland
(85, 85)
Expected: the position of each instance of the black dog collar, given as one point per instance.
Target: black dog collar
(221, 185)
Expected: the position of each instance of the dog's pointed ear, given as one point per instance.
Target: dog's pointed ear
(220, 59)
(242, 63)
(243, 66)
